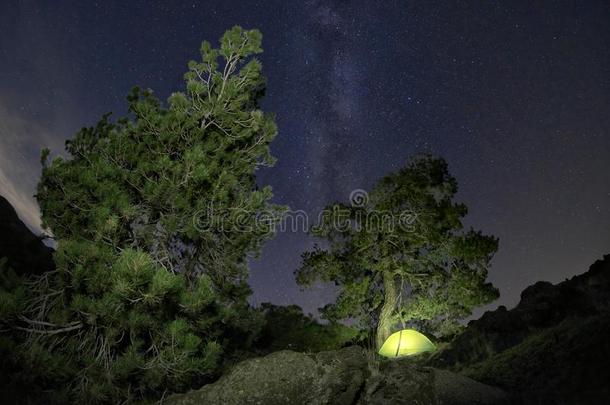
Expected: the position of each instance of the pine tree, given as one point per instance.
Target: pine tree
(400, 255)
(155, 216)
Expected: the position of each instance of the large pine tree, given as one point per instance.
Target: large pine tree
(400, 256)
(154, 217)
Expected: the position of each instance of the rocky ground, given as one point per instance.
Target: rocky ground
(553, 347)
(346, 376)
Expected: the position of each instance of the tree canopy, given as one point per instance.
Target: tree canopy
(154, 215)
(400, 255)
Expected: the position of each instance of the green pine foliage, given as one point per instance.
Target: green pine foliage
(287, 328)
(155, 216)
(401, 255)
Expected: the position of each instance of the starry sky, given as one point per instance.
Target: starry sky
(515, 95)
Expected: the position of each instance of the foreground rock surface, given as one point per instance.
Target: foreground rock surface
(339, 377)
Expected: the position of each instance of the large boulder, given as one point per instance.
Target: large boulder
(401, 381)
(286, 377)
(344, 377)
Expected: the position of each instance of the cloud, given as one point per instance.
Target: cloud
(20, 145)
(38, 103)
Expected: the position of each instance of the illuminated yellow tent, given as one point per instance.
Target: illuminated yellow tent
(406, 342)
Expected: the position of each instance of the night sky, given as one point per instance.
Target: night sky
(515, 95)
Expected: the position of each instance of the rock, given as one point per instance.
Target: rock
(25, 251)
(553, 347)
(566, 364)
(341, 377)
(542, 306)
(286, 377)
(403, 382)
(281, 377)
(456, 389)
(399, 382)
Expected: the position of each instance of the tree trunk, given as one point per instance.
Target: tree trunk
(384, 327)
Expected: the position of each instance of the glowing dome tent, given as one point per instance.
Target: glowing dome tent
(406, 342)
